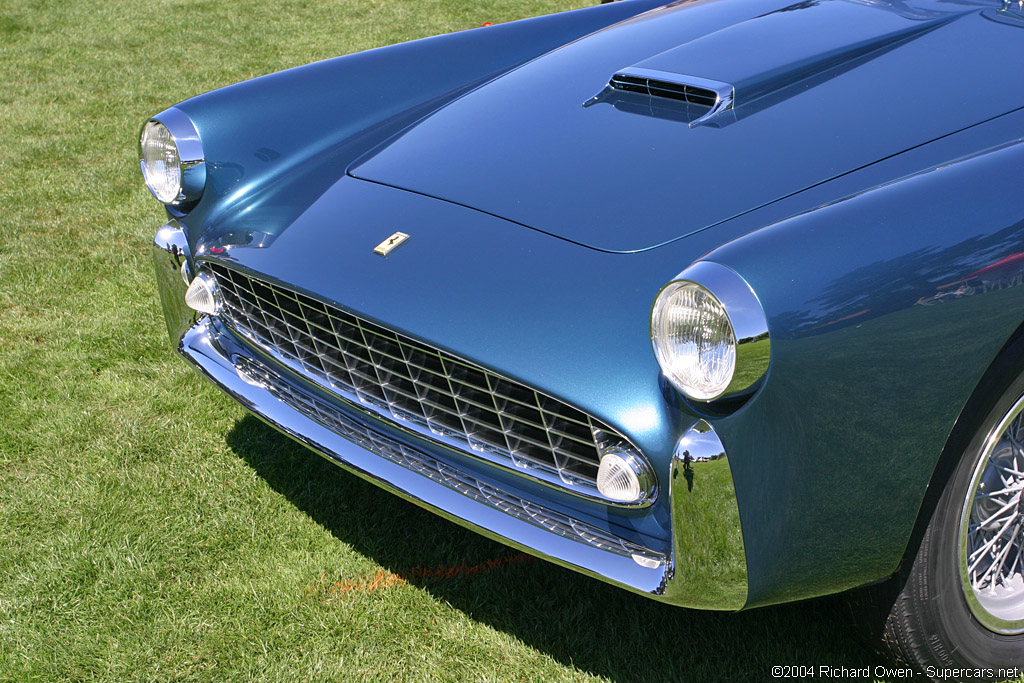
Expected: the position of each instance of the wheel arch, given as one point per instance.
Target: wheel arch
(1007, 365)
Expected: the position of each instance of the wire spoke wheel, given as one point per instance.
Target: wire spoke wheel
(992, 529)
(961, 601)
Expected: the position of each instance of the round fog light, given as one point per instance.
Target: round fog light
(617, 477)
(202, 294)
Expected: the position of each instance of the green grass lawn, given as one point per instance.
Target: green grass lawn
(149, 528)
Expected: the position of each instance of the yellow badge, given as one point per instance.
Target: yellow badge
(391, 243)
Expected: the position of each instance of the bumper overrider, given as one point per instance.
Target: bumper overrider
(702, 566)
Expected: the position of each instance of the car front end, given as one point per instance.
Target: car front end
(616, 290)
(473, 426)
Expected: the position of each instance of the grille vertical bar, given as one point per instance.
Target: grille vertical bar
(435, 391)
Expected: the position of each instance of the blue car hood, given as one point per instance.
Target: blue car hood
(821, 89)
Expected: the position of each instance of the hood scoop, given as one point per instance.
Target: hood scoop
(757, 63)
(686, 98)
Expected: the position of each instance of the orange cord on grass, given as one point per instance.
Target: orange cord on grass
(386, 579)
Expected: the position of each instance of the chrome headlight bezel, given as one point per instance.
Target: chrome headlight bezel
(191, 159)
(742, 313)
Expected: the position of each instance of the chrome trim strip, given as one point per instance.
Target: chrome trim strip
(724, 93)
(708, 557)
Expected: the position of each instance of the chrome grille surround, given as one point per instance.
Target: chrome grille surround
(429, 391)
(329, 416)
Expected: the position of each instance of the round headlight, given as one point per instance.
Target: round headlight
(693, 340)
(161, 165)
(709, 333)
(172, 159)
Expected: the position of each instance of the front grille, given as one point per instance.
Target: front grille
(421, 463)
(480, 411)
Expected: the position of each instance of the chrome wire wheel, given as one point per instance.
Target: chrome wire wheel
(960, 603)
(992, 529)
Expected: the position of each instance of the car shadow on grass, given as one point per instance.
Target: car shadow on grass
(578, 621)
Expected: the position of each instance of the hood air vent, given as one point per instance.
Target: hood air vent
(716, 96)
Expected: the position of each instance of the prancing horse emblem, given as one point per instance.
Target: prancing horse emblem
(390, 244)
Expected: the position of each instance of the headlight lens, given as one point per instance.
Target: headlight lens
(172, 159)
(161, 164)
(693, 340)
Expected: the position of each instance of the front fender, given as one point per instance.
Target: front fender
(885, 310)
(304, 126)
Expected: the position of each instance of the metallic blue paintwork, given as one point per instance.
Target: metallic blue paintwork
(832, 455)
(821, 90)
(869, 370)
(517, 325)
(295, 132)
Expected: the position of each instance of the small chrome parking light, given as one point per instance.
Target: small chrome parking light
(202, 295)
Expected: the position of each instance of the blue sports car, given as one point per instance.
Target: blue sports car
(719, 302)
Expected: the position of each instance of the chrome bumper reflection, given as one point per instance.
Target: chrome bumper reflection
(172, 260)
(326, 413)
(708, 552)
(704, 568)
(407, 472)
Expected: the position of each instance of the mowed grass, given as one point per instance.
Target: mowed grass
(149, 529)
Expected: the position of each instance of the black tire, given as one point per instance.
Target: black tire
(931, 624)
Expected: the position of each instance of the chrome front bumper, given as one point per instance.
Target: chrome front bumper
(704, 568)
